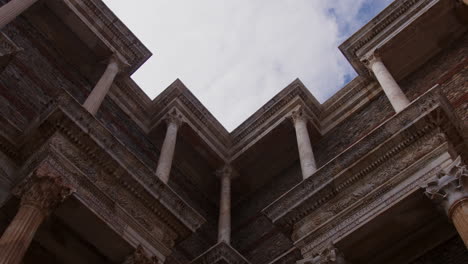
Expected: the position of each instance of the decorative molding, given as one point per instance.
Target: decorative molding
(297, 203)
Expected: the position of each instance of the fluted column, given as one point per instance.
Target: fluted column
(306, 155)
(140, 257)
(100, 90)
(390, 87)
(224, 224)
(450, 192)
(330, 255)
(40, 194)
(12, 9)
(174, 120)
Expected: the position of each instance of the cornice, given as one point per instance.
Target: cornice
(388, 21)
(111, 31)
(91, 137)
(219, 253)
(334, 176)
(405, 179)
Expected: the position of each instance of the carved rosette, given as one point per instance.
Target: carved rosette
(174, 117)
(140, 257)
(450, 187)
(44, 190)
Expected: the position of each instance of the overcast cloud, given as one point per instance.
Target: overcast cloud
(235, 55)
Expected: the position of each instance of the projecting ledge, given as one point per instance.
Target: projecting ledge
(334, 176)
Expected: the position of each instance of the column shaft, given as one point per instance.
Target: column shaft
(391, 88)
(18, 236)
(99, 92)
(306, 155)
(460, 219)
(12, 9)
(224, 223)
(167, 152)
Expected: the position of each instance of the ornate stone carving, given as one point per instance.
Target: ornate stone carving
(45, 189)
(369, 59)
(226, 171)
(299, 115)
(330, 255)
(140, 257)
(174, 117)
(450, 187)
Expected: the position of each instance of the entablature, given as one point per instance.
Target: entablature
(67, 117)
(362, 157)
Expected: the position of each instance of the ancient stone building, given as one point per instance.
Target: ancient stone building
(93, 171)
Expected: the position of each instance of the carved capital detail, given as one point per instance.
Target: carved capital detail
(140, 257)
(226, 171)
(299, 115)
(119, 62)
(174, 117)
(371, 58)
(330, 255)
(45, 189)
(450, 186)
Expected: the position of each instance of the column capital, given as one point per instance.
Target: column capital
(226, 171)
(450, 187)
(44, 190)
(174, 117)
(299, 115)
(330, 255)
(120, 63)
(139, 256)
(369, 59)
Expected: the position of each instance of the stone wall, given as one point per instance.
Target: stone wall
(39, 72)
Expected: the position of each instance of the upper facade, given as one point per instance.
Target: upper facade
(163, 181)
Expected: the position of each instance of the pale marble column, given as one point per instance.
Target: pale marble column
(306, 155)
(140, 257)
(12, 9)
(450, 191)
(224, 224)
(40, 194)
(390, 87)
(330, 255)
(174, 120)
(99, 92)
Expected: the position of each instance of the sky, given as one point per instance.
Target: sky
(235, 55)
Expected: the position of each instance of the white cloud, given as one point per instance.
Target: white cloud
(236, 55)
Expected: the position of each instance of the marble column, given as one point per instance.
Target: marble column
(174, 120)
(100, 90)
(224, 224)
(330, 255)
(40, 195)
(450, 192)
(390, 87)
(140, 257)
(12, 9)
(306, 155)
